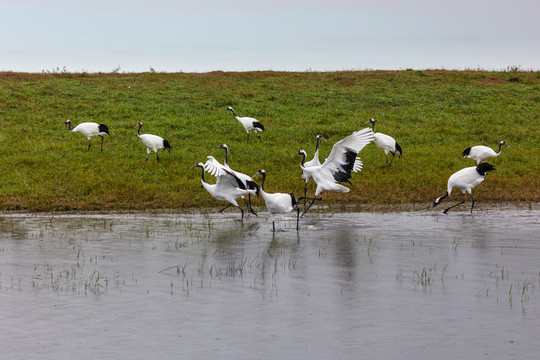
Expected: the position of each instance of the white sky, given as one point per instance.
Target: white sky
(290, 35)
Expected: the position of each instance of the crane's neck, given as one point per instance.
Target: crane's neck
(373, 126)
(226, 161)
(317, 146)
(202, 175)
(69, 126)
(303, 159)
(139, 131)
(233, 112)
(499, 152)
(263, 180)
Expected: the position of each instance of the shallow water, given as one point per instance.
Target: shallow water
(417, 284)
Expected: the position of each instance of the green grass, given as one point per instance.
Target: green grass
(432, 114)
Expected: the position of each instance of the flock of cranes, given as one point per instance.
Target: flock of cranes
(337, 168)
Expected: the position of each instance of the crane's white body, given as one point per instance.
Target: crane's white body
(482, 153)
(227, 188)
(152, 142)
(249, 123)
(276, 203)
(385, 142)
(89, 130)
(339, 164)
(465, 180)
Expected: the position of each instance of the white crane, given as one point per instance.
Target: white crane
(339, 164)
(218, 170)
(214, 167)
(465, 179)
(313, 162)
(227, 188)
(152, 142)
(89, 129)
(278, 203)
(481, 153)
(250, 124)
(386, 143)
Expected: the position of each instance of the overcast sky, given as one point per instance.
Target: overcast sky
(291, 35)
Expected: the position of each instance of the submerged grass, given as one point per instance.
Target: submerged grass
(433, 114)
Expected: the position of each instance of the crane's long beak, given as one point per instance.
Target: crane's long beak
(256, 174)
(323, 138)
(506, 144)
(293, 155)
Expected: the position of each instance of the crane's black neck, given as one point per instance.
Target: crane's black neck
(69, 126)
(263, 180)
(202, 176)
(500, 145)
(226, 161)
(303, 158)
(317, 147)
(231, 109)
(139, 130)
(373, 126)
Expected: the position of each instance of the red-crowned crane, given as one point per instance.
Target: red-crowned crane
(386, 143)
(481, 153)
(313, 162)
(250, 124)
(278, 203)
(227, 188)
(213, 167)
(465, 179)
(218, 170)
(339, 164)
(89, 129)
(152, 142)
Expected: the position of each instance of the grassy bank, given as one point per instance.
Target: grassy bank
(434, 116)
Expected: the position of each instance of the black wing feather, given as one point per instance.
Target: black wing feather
(258, 125)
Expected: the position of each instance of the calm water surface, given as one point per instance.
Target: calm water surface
(419, 285)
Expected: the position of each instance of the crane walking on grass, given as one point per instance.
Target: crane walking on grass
(465, 180)
(386, 143)
(89, 129)
(250, 124)
(152, 142)
(339, 165)
(227, 188)
(481, 153)
(278, 203)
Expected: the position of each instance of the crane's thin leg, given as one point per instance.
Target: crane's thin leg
(472, 203)
(445, 211)
(157, 157)
(305, 194)
(311, 203)
(88, 144)
(386, 159)
(101, 143)
(248, 136)
(147, 157)
(242, 210)
(297, 218)
(259, 136)
(226, 207)
(392, 159)
(248, 205)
